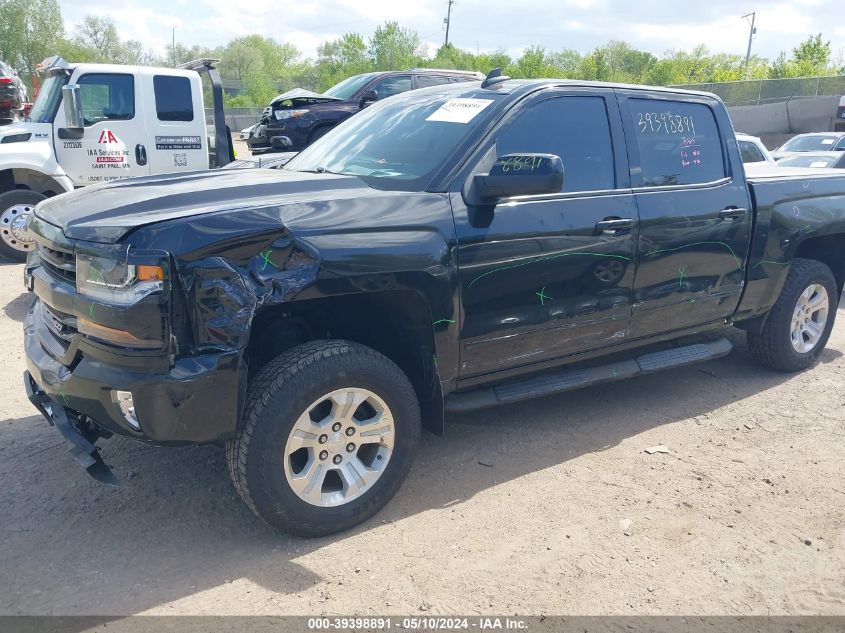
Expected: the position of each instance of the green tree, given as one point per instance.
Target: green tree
(100, 34)
(812, 51)
(812, 57)
(395, 48)
(30, 31)
(566, 63)
(624, 63)
(182, 53)
(531, 64)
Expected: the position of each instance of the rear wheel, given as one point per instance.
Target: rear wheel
(330, 431)
(15, 238)
(801, 320)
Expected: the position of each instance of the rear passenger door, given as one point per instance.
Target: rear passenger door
(177, 139)
(547, 276)
(695, 211)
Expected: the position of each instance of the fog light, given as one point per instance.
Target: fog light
(124, 402)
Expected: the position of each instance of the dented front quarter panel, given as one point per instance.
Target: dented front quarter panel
(233, 265)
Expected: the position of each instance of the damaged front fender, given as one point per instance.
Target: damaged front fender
(225, 298)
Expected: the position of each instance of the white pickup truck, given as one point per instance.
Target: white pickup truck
(93, 123)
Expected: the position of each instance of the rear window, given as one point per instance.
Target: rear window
(174, 101)
(808, 161)
(678, 142)
(750, 152)
(809, 144)
(426, 81)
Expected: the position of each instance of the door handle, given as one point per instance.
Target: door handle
(614, 226)
(140, 155)
(732, 212)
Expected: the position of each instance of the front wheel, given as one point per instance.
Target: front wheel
(330, 429)
(15, 238)
(801, 320)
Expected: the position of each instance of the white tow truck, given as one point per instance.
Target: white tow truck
(93, 123)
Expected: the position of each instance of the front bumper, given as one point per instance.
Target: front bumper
(80, 446)
(198, 400)
(296, 131)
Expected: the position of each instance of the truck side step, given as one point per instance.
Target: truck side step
(571, 379)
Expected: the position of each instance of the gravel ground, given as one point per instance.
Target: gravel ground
(551, 507)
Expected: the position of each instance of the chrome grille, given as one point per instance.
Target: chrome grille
(58, 262)
(62, 326)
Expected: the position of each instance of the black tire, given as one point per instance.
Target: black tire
(7, 200)
(773, 346)
(281, 392)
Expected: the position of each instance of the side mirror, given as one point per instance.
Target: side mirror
(518, 175)
(73, 113)
(368, 97)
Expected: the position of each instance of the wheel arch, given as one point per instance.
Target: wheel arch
(31, 179)
(828, 249)
(396, 323)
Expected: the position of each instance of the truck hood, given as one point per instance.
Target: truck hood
(38, 132)
(107, 212)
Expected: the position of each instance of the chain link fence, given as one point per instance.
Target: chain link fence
(758, 91)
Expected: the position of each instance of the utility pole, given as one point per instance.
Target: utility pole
(448, 20)
(173, 46)
(751, 32)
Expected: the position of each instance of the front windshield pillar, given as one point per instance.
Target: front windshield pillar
(49, 97)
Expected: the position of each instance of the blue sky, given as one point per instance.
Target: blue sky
(653, 25)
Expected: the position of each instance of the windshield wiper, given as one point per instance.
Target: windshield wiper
(316, 170)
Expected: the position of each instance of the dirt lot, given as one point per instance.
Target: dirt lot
(517, 510)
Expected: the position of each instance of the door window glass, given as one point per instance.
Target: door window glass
(173, 98)
(392, 86)
(678, 142)
(425, 81)
(107, 97)
(574, 128)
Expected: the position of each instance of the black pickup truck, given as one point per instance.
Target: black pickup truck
(451, 248)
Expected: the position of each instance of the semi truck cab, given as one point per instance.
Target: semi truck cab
(95, 123)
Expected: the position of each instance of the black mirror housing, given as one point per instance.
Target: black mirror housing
(518, 175)
(368, 96)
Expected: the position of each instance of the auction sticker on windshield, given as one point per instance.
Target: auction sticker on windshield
(459, 110)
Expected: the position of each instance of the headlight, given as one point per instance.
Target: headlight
(290, 114)
(115, 281)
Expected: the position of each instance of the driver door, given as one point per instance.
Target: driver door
(112, 143)
(547, 276)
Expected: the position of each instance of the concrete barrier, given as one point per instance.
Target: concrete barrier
(776, 122)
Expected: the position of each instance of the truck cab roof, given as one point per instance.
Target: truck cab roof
(58, 65)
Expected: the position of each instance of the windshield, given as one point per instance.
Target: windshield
(348, 87)
(49, 97)
(808, 144)
(808, 161)
(400, 142)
